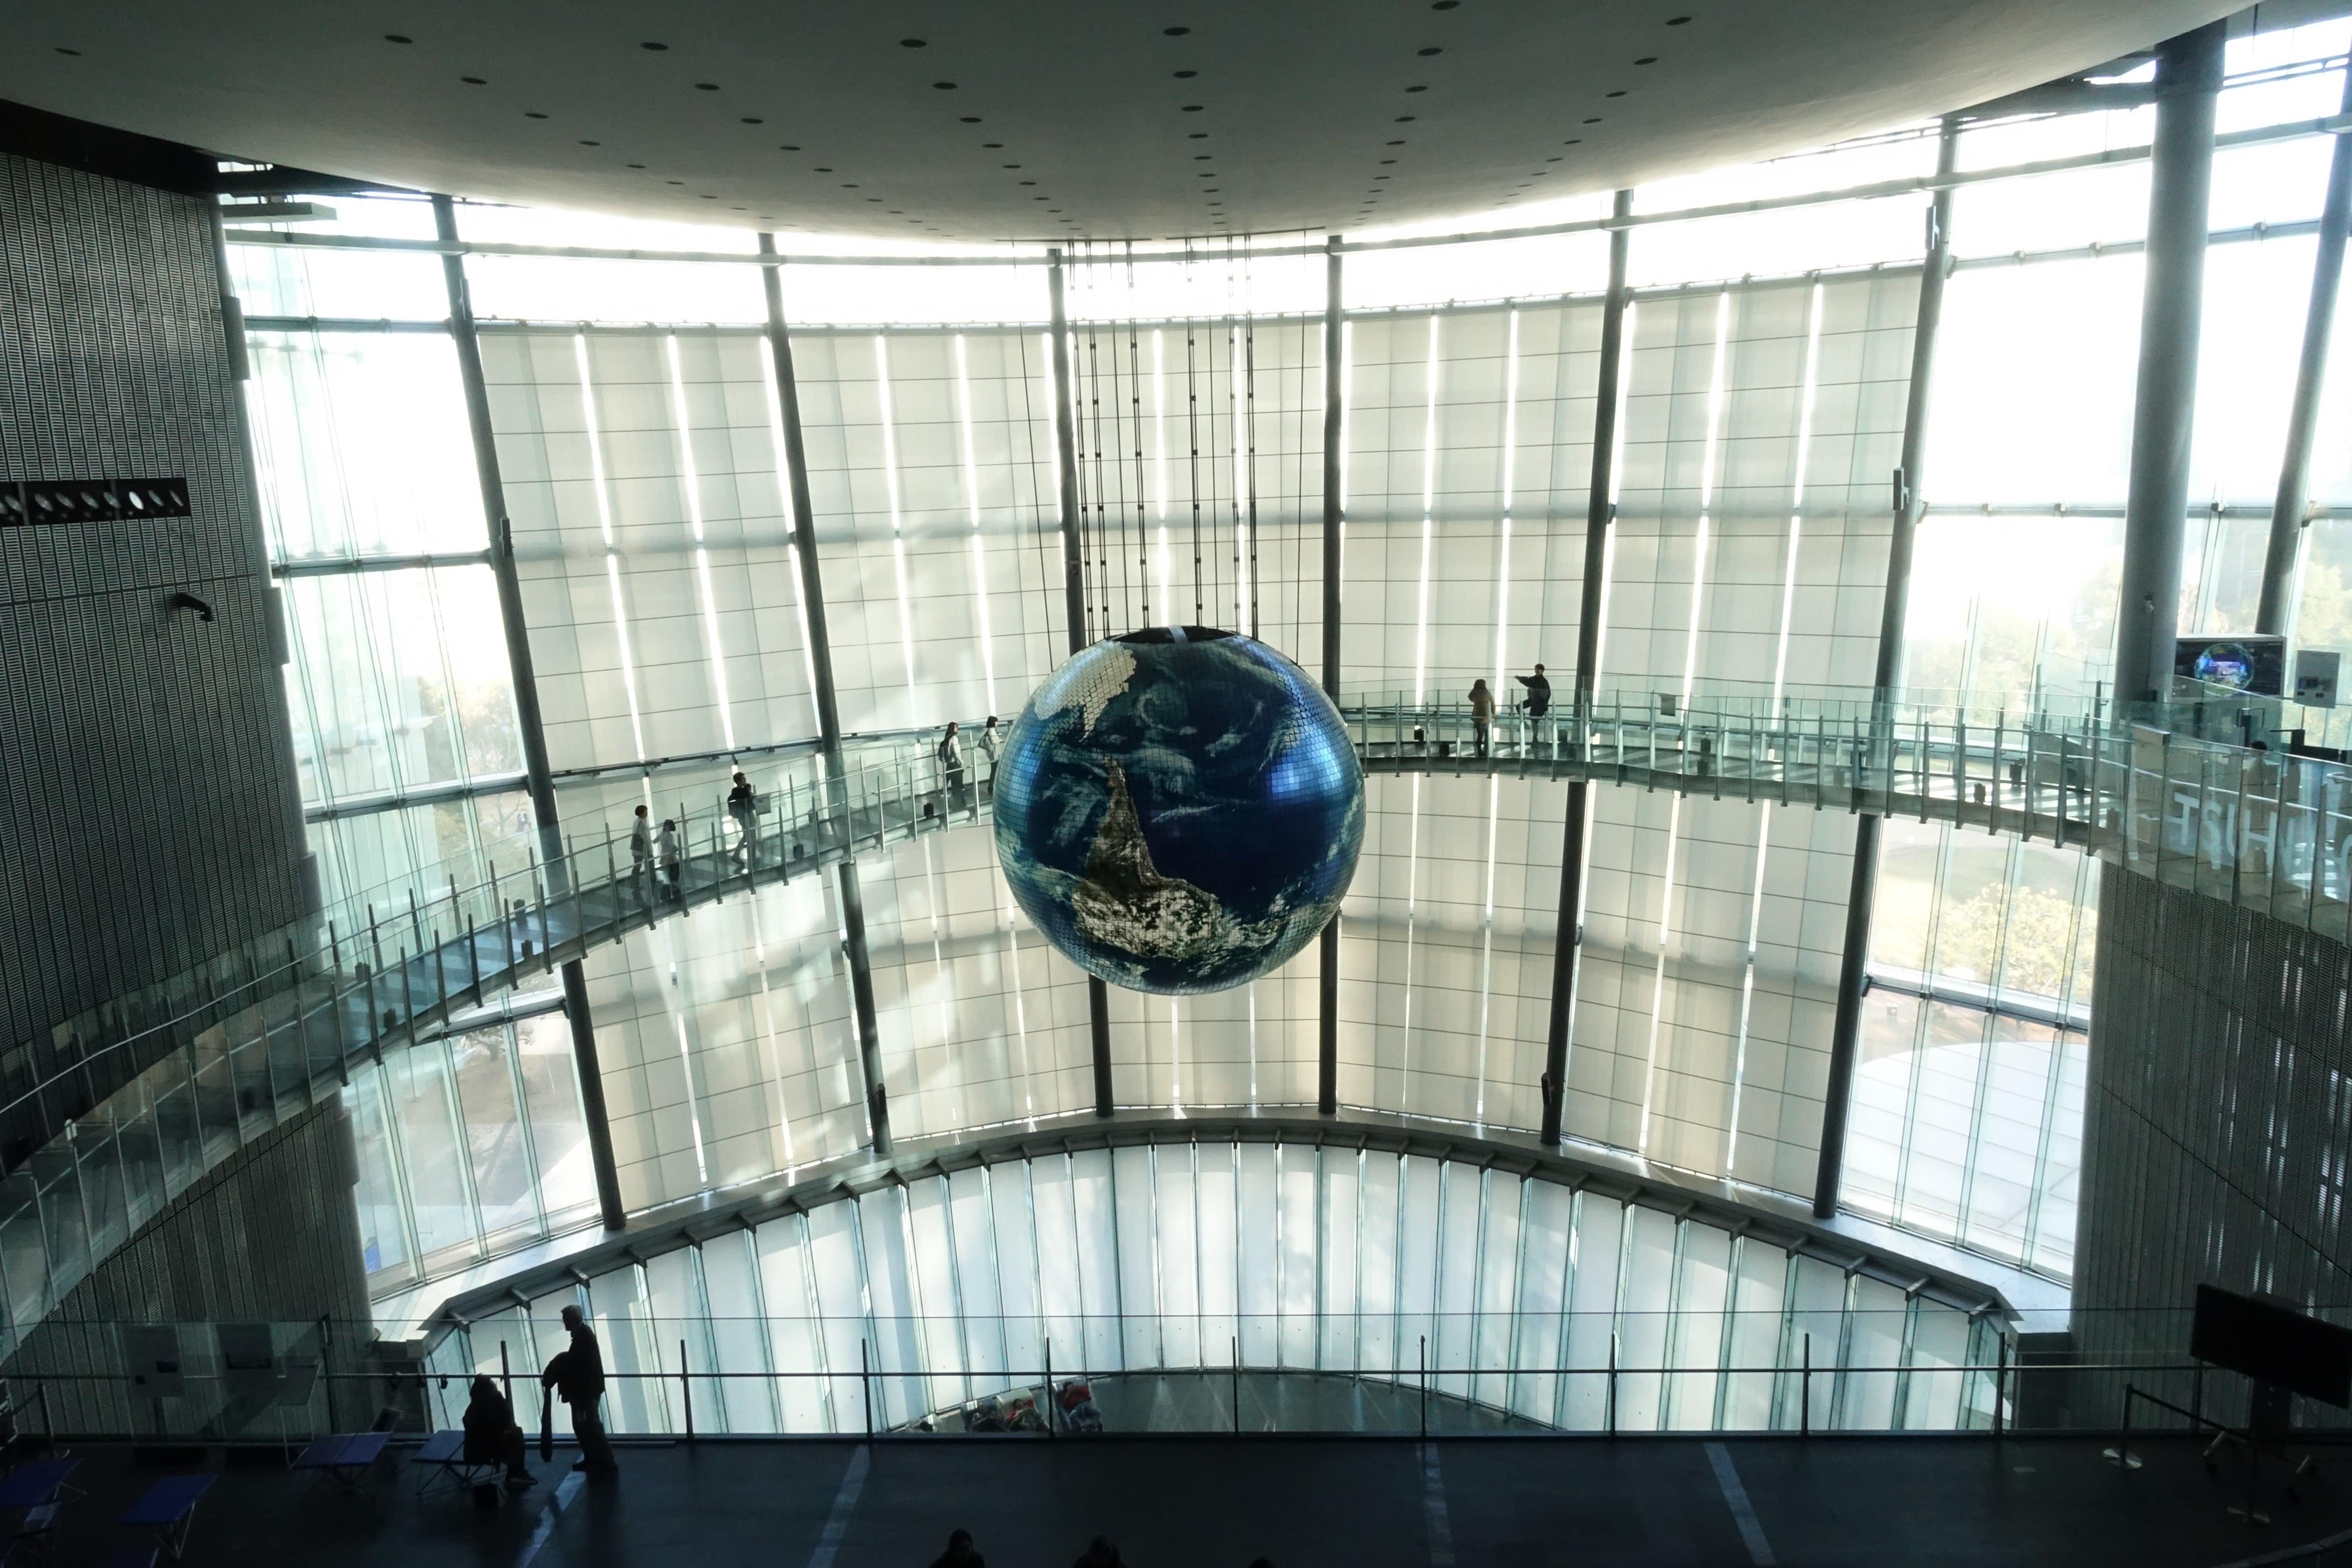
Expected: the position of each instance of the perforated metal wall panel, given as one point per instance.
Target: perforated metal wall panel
(146, 771)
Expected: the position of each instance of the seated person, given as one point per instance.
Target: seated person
(491, 1435)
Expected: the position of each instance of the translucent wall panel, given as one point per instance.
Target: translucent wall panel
(361, 445)
(1255, 1045)
(925, 1295)
(1747, 559)
(653, 539)
(1466, 470)
(967, 993)
(1445, 949)
(386, 852)
(931, 469)
(728, 1046)
(470, 1145)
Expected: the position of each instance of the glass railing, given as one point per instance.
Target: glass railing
(155, 1089)
(1070, 1376)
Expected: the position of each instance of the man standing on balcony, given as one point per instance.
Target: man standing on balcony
(577, 1376)
(1538, 699)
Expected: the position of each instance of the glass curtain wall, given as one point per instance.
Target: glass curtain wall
(1967, 1120)
(1186, 1260)
(1761, 417)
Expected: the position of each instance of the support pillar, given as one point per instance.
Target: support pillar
(1074, 588)
(1327, 1039)
(2276, 608)
(1598, 509)
(828, 707)
(2188, 81)
(538, 775)
(1845, 1030)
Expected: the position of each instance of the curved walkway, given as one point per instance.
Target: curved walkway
(2254, 827)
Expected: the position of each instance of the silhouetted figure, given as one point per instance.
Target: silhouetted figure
(491, 1435)
(577, 1376)
(961, 1552)
(1538, 693)
(1481, 712)
(1101, 1553)
(743, 806)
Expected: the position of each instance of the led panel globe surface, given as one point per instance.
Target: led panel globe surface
(1179, 810)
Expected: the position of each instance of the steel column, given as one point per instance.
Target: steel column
(1845, 1030)
(1327, 1040)
(2187, 81)
(1074, 602)
(1598, 509)
(828, 709)
(2275, 609)
(537, 775)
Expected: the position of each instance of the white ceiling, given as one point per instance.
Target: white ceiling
(1065, 117)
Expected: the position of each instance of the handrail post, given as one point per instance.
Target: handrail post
(2120, 1456)
(2000, 1384)
(685, 1386)
(1237, 1392)
(1424, 1388)
(506, 1372)
(1609, 1406)
(865, 1385)
(1805, 1392)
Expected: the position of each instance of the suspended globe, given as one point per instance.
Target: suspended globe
(1179, 810)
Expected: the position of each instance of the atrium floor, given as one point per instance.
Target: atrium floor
(1211, 1503)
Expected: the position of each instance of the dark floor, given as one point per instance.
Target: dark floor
(1203, 1503)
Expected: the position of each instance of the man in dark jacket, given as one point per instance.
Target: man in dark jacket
(1538, 693)
(577, 1376)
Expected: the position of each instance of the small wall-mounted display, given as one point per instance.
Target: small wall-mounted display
(90, 501)
(2315, 675)
(2248, 663)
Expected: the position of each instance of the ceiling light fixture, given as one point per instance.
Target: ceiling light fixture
(753, 119)
(1421, 88)
(972, 120)
(786, 147)
(910, 43)
(474, 80)
(1647, 61)
(944, 86)
(705, 87)
(398, 38)
(1677, 21)
(649, 44)
(532, 114)
(63, 50)
(1432, 50)
(1175, 32)
(1186, 76)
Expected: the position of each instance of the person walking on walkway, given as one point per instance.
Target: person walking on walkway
(951, 759)
(1538, 699)
(743, 806)
(672, 867)
(992, 746)
(641, 852)
(577, 1376)
(1482, 711)
(961, 1552)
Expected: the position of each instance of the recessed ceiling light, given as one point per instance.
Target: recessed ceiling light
(592, 143)
(1445, 4)
(787, 147)
(972, 120)
(1388, 160)
(674, 182)
(649, 44)
(910, 43)
(532, 114)
(1192, 109)
(1553, 159)
(1571, 140)
(1206, 174)
(474, 80)
(992, 146)
(874, 198)
(1403, 119)
(944, 86)
(1175, 32)
(1383, 176)
(821, 170)
(705, 87)
(1421, 88)
(1011, 165)
(1041, 198)
(1593, 120)
(1032, 183)
(1618, 93)
(1186, 76)
(63, 50)
(1196, 136)
(1647, 61)
(753, 119)
(1432, 50)
(1053, 210)
(848, 185)
(1677, 21)
(635, 165)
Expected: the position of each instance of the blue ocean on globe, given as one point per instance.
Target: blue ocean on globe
(1179, 810)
